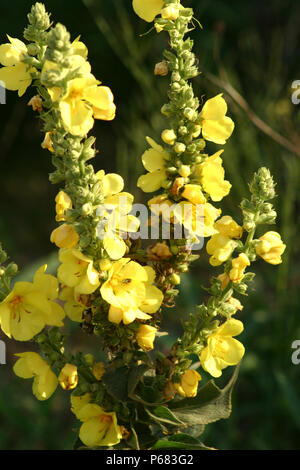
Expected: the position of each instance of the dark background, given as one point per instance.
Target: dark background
(254, 47)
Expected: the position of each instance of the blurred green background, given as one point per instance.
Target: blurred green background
(252, 46)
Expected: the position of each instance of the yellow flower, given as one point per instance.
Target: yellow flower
(220, 247)
(270, 247)
(79, 48)
(145, 336)
(30, 306)
(193, 193)
(77, 271)
(83, 102)
(216, 126)
(239, 265)
(198, 219)
(31, 365)
(68, 377)
(212, 177)
(189, 383)
(222, 349)
(228, 227)
(130, 292)
(147, 9)
(154, 161)
(63, 202)
(74, 305)
(115, 209)
(99, 428)
(15, 74)
(64, 236)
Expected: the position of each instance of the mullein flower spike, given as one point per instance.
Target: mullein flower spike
(106, 282)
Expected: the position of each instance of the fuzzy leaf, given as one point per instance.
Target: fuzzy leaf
(210, 404)
(115, 381)
(163, 414)
(181, 441)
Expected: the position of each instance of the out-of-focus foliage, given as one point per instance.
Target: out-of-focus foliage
(254, 46)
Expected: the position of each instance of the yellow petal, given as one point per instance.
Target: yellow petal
(147, 9)
(16, 77)
(114, 246)
(153, 300)
(151, 181)
(214, 108)
(102, 99)
(218, 131)
(77, 117)
(112, 184)
(46, 283)
(153, 160)
(231, 327)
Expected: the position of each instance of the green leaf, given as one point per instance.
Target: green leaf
(115, 381)
(181, 441)
(135, 376)
(210, 404)
(195, 431)
(163, 414)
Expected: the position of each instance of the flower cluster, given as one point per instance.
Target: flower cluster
(104, 281)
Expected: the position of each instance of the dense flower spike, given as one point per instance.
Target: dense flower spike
(105, 281)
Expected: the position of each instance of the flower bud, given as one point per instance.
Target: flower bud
(179, 147)
(196, 131)
(68, 377)
(184, 171)
(189, 384)
(145, 337)
(11, 270)
(270, 247)
(239, 265)
(168, 136)
(87, 209)
(170, 12)
(174, 279)
(190, 114)
(263, 185)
